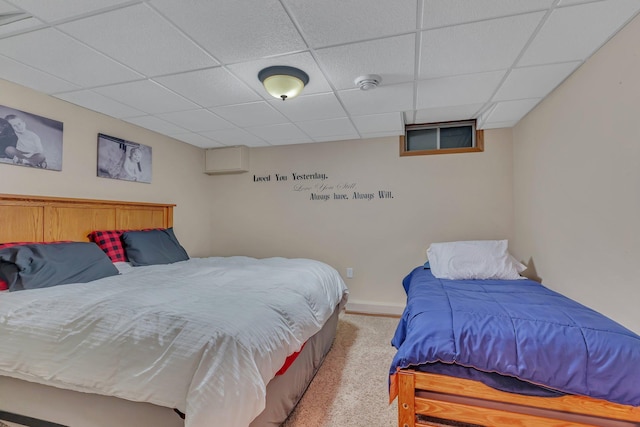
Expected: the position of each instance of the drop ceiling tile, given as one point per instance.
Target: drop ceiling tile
(197, 140)
(409, 117)
(575, 32)
(19, 26)
(534, 82)
(285, 133)
(143, 40)
(511, 111)
(392, 58)
(339, 127)
(331, 22)
(447, 114)
(381, 134)
(7, 8)
(209, 88)
(500, 125)
(156, 125)
(485, 113)
(229, 137)
(54, 10)
(147, 96)
(196, 120)
(248, 72)
(30, 77)
(100, 103)
(471, 48)
(318, 106)
(572, 2)
(383, 99)
(250, 114)
(336, 138)
(380, 123)
(257, 28)
(63, 57)
(443, 13)
(457, 90)
(348, 39)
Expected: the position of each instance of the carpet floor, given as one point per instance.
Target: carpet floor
(350, 388)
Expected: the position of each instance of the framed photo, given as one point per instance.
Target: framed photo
(30, 140)
(122, 159)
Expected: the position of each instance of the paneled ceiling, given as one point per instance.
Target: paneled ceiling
(188, 68)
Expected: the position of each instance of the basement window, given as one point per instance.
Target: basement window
(441, 138)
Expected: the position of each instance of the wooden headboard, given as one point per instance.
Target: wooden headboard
(47, 219)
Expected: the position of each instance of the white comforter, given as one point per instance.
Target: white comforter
(204, 336)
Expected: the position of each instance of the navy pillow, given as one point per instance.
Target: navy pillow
(44, 265)
(153, 247)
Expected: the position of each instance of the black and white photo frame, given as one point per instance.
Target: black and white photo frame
(122, 159)
(27, 139)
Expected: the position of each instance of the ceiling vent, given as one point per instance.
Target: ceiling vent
(368, 82)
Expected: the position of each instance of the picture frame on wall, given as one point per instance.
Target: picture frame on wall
(30, 140)
(124, 160)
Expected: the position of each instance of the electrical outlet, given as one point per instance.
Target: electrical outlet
(349, 273)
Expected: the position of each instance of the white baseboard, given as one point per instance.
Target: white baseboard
(372, 308)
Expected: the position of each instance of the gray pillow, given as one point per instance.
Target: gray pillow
(153, 247)
(35, 266)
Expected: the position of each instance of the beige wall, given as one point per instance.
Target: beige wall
(577, 183)
(435, 198)
(177, 168)
(562, 186)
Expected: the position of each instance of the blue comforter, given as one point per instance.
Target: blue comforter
(520, 329)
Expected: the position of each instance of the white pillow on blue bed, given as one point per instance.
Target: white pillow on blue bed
(473, 259)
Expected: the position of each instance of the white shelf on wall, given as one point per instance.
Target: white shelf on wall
(227, 160)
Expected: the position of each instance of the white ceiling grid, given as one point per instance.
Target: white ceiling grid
(188, 68)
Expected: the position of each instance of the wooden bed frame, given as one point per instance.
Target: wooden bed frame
(426, 399)
(48, 219)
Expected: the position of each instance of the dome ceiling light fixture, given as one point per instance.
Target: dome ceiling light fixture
(368, 81)
(282, 81)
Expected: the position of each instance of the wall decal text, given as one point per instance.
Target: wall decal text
(317, 187)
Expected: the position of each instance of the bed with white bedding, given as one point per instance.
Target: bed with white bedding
(204, 336)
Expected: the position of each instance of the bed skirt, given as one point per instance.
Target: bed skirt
(50, 406)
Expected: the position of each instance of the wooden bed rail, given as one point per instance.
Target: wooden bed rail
(440, 397)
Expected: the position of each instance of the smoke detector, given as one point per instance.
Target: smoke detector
(369, 81)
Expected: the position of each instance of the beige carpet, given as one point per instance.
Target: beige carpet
(350, 389)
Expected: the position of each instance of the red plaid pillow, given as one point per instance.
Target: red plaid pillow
(110, 242)
(3, 284)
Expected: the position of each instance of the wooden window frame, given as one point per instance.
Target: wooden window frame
(479, 145)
